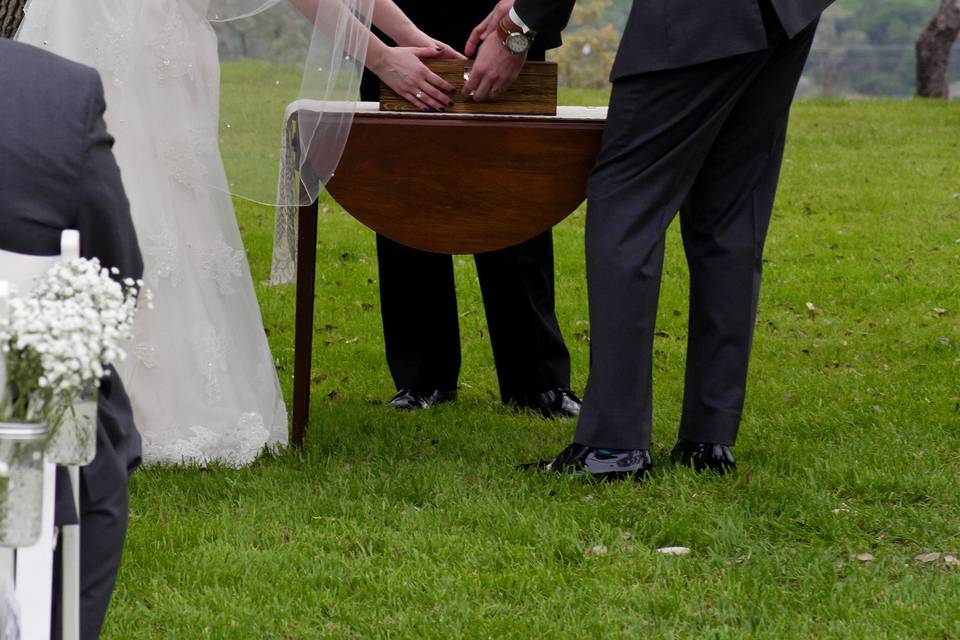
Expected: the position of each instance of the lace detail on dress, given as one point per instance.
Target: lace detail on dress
(173, 50)
(211, 347)
(222, 264)
(186, 158)
(109, 48)
(146, 354)
(162, 249)
(234, 447)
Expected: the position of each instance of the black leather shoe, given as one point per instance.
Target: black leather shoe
(703, 456)
(556, 403)
(408, 399)
(581, 460)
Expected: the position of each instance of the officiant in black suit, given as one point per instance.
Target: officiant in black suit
(418, 299)
(57, 172)
(697, 122)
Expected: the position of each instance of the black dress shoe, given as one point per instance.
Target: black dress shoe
(555, 403)
(581, 460)
(703, 456)
(408, 399)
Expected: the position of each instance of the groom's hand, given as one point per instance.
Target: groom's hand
(488, 27)
(493, 71)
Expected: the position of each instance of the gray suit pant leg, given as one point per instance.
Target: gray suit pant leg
(707, 141)
(103, 531)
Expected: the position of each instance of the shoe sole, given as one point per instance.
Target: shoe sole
(700, 468)
(611, 476)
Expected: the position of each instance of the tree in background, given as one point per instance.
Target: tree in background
(11, 13)
(933, 51)
(589, 44)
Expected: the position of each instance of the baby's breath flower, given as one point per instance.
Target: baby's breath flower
(67, 331)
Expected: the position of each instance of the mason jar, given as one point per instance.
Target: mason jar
(74, 441)
(21, 482)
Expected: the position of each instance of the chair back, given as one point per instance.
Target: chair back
(34, 565)
(20, 270)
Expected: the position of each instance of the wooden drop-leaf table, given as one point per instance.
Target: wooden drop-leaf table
(447, 183)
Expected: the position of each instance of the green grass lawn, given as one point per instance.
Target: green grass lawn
(417, 526)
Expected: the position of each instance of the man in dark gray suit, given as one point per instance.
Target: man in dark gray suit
(57, 172)
(697, 122)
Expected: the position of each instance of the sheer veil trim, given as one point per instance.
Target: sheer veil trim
(327, 46)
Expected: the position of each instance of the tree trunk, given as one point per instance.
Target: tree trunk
(11, 13)
(933, 51)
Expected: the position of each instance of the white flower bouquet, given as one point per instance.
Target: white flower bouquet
(57, 343)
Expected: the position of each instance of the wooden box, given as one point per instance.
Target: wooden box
(533, 93)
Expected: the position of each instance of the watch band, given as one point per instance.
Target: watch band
(507, 28)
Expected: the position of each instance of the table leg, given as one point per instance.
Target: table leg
(303, 340)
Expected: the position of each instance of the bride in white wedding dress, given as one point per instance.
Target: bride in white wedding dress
(200, 373)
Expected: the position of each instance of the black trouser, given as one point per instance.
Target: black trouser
(706, 140)
(421, 325)
(419, 308)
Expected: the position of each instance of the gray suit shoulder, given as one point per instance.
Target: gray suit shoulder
(53, 80)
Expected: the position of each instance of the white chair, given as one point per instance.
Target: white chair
(33, 566)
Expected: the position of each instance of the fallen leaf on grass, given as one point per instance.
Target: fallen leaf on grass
(944, 341)
(596, 550)
(933, 556)
(953, 561)
(939, 311)
(864, 557)
(841, 510)
(674, 551)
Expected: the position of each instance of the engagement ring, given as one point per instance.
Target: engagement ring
(418, 95)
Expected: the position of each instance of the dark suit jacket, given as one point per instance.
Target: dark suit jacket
(57, 172)
(453, 21)
(678, 33)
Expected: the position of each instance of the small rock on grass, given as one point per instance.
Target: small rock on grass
(596, 550)
(674, 551)
(933, 556)
(864, 557)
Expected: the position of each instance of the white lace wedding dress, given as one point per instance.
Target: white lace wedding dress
(200, 374)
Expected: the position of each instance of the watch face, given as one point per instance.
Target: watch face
(517, 42)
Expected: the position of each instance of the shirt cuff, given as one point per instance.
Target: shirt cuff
(517, 21)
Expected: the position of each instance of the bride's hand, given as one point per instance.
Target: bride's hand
(404, 72)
